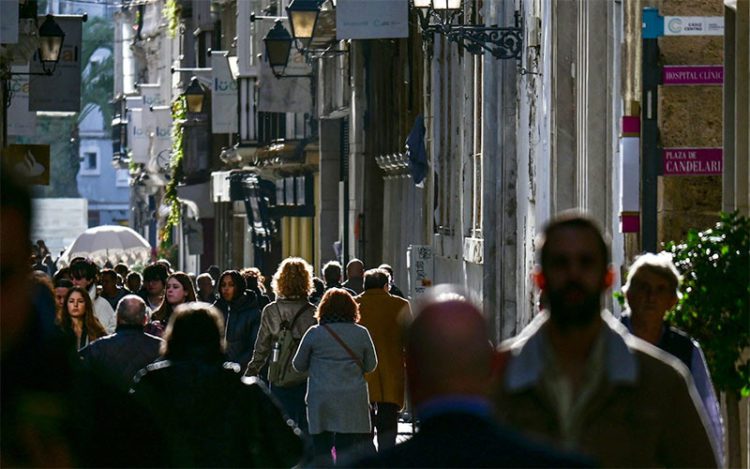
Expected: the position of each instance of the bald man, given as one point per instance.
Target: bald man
(449, 366)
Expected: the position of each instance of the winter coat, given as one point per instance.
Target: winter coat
(385, 316)
(241, 324)
(337, 399)
(270, 325)
(214, 418)
(122, 354)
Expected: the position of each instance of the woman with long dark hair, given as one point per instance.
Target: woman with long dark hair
(77, 318)
(179, 290)
(241, 317)
(337, 353)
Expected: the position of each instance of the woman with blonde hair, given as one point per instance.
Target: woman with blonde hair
(289, 316)
(337, 353)
(77, 318)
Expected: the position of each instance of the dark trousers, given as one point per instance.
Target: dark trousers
(349, 447)
(385, 420)
(292, 399)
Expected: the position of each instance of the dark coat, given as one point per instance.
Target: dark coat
(460, 439)
(214, 418)
(123, 353)
(241, 324)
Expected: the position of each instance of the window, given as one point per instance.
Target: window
(89, 163)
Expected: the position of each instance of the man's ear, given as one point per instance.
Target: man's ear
(609, 277)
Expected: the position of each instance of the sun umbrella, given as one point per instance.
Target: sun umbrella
(109, 243)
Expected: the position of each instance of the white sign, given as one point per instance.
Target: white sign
(137, 137)
(159, 129)
(67, 76)
(21, 121)
(372, 19)
(421, 267)
(122, 178)
(152, 96)
(9, 21)
(693, 25)
(223, 95)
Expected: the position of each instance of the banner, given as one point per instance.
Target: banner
(152, 96)
(60, 91)
(21, 121)
(372, 19)
(284, 94)
(30, 162)
(223, 95)
(159, 128)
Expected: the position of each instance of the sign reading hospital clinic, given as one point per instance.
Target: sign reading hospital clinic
(693, 75)
(692, 161)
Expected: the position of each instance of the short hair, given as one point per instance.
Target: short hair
(293, 278)
(63, 283)
(661, 264)
(83, 267)
(387, 268)
(332, 272)
(155, 272)
(376, 278)
(237, 279)
(354, 262)
(194, 329)
(109, 273)
(131, 311)
(572, 219)
(122, 267)
(203, 276)
(133, 275)
(338, 303)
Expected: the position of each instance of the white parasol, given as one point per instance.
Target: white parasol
(112, 243)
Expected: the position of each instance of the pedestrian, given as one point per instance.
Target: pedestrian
(651, 291)
(214, 271)
(209, 414)
(78, 319)
(134, 282)
(575, 377)
(449, 366)
(154, 282)
(205, 291)
(179, 290)
(355, 271)
(241, 317)
(109, 280)
(255, 282)
(385, 316)
(84, 273)
(292, 284)
(318, 289)
(394, 290)
(61, 286)
(337, 353)
(121, 355)
(123, 271)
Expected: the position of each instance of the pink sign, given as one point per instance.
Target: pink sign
(692, 161)
(693, 75)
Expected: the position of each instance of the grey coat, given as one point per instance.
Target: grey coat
(337, 398)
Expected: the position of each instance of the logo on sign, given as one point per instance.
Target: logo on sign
(162, 132)
(153, 100)
(224, 85)
(138, 131)
(674, 25)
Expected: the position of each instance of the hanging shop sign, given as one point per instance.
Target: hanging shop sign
(223, 95)
(21, 121)
(692, 161)
(29, 162)
(692, 75)
(693, 25)
(372, 19)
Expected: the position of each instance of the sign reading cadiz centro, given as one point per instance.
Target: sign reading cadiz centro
(693, 25)
(693, 75)
(692, 161)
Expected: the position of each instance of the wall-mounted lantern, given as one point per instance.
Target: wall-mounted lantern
(278, 47)
(303, 17)
(195, 95)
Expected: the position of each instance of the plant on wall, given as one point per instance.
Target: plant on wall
(715, 265)
(179, 110)
(172, 12)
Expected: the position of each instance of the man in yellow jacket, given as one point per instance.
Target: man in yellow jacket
(385, 316)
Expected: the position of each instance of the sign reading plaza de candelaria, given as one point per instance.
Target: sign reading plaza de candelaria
(692, 161)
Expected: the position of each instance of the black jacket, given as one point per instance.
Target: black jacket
(214, 418)
(122, 354)
(459, 439)
(241, 324)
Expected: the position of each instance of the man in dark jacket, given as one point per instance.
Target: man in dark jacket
(449, 362)
(129, 349)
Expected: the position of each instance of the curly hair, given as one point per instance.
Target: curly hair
(253, 278)
(94, 328)
(293, 279)
(165, 310)
(337, 305)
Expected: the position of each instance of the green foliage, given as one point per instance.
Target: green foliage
(172, 12)
(97, 79)
(715, 265)
(179, 113)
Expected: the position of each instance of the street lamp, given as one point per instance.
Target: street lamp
(195, 95)
(51, 38)
(303, 16)
(278, 46)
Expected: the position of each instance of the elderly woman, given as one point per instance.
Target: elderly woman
(651, 291)
(292, 284)
(337, 353)
(77, 318)
(210, 416)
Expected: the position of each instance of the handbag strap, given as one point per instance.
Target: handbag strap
(346, 347)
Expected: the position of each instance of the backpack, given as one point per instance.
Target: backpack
(280, 371)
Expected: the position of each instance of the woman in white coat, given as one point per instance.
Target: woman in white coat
(337, 353)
